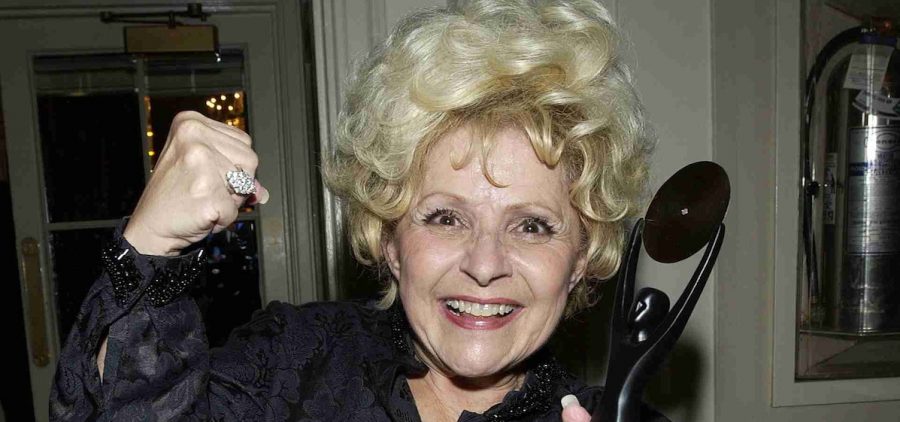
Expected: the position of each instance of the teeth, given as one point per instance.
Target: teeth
(480, 309)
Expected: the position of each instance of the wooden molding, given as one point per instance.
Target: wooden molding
(344, 30)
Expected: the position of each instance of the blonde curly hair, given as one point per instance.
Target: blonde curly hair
(553, 69)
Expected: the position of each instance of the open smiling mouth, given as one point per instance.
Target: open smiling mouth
(479, 309)
(479, 316)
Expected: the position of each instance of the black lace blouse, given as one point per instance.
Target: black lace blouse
(316, 362)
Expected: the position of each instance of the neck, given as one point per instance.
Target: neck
(439, 395)
(442, 397)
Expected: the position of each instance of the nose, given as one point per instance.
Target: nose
(486, 260)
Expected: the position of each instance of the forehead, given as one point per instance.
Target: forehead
(520, 176)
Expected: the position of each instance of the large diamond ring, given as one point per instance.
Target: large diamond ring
(240, 182)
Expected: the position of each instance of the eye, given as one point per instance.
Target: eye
(442, 217)
(534, 226)
(535, 229)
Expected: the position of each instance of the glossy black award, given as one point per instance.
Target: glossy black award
(686, 213)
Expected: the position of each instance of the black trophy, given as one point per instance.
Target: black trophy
(685, 214)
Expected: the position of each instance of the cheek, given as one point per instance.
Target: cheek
(548, 268)
(424, 258)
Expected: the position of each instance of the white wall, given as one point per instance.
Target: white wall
(672, 49)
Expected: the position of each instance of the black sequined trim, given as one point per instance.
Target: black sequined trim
(399, 329)
(170, 281)
(537, 397)
(173, 280)
(124, 275)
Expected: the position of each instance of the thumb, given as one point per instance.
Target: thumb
(572, 410)
(261, 196)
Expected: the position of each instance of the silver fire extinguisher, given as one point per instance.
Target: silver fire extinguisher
(851, 181)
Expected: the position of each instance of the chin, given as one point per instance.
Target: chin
(478, 361)
(475, 370)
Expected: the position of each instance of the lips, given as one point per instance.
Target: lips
(480, 314)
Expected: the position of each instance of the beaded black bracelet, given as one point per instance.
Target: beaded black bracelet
(170, 280)
(124, 275)
(173, 280)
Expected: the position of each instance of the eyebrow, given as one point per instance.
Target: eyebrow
(524, 205)
(514, 207)
(454, 197)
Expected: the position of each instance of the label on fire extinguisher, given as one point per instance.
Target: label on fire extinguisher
(867, 67)
(873, 190)
(877, 104)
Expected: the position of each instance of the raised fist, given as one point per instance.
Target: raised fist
(188, 195)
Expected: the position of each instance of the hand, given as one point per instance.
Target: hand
(188, 196)
(572, 410)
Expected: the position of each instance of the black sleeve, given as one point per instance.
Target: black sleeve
(158, 364)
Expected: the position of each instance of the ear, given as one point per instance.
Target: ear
(578, 271)
(391, 252)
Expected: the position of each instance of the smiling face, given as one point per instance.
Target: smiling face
(484, 271)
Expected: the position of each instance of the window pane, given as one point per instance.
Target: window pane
(201, 72)
(91, 145)
(226, 107)
(83, 74)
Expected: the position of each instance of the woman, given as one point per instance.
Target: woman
(488, 156)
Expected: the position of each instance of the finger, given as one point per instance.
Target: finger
(230, 131)
(228, 135)
(575, 414)
(241, 157)
(226, 213)
(214, 154)
(261, 196)
(218, 209)
(235, 153)
(572, 410)
(224, 164)
(203, 130)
